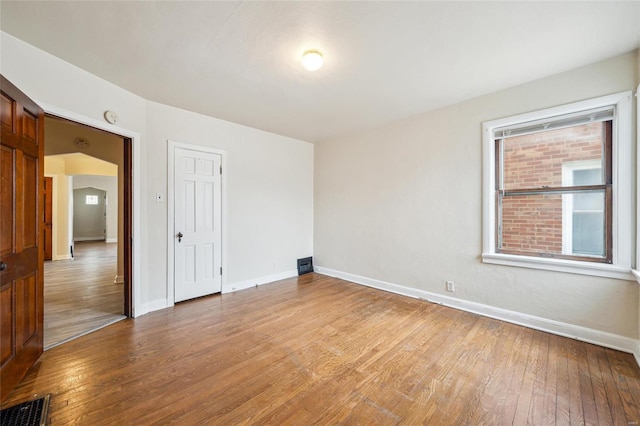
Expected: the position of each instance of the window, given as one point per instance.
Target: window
(583, 215)
(557, 188)
(91, 199)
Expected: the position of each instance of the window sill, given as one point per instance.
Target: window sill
(562, 265)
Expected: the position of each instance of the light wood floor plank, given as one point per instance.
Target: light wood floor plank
(79, 293)
(319, 350)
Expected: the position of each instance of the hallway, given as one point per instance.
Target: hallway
(79, 294)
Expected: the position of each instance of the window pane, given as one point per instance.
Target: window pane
(590, 201)
(532, 224)
(587, 177)
(535, 160)
(588, 233)
(91, 199)
(554, 224)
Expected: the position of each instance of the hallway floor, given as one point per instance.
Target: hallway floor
(79, 294)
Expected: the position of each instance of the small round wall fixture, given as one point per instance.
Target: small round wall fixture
(312, 59)
(111, 117)
(81, 143)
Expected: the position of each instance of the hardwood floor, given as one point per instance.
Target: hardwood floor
(318, 350)
(79, 294)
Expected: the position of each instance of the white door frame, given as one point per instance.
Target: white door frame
(171, 148)
(136, 171)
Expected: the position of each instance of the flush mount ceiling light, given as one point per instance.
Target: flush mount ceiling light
(81, 143)
(312, 60)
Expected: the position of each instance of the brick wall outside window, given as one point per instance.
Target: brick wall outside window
(533, 223)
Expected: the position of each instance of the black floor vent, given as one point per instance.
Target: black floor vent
(305, 265)
(30, 413)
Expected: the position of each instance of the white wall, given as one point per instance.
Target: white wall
(270, 177)
(402, 204)
(109, 184)
(637, 353)
(89, 221)
(269, 193)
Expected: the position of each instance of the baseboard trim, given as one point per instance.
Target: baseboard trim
(62, 257)
(154, 305)
(88, 239)
(242, 285)
(111, 240)
(636, 274)
(119, 279)
(601, 338)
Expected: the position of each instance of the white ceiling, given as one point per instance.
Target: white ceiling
(240, 61)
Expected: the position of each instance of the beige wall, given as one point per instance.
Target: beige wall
(403, 204)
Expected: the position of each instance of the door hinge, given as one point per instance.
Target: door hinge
(220, 169)
(221, 270)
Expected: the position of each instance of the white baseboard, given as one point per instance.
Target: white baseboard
(154, 305)
(119, 279)
(636, 274)
(241, 285)
(88, 239)
(111, 240)
(601, 338)
(62, 257)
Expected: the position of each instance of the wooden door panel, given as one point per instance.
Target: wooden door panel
(30, 201)
(26, 309)
(29, 127)
(7, 206)
(8, 121)
(6, 323)
(21, 248)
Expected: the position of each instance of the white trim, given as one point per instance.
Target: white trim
(636, 353)
(136, 187)
(100, 238)
(560, 265)
(171, 147)
(636, 275)
(118, 279)
(622, 193)
(242, 285)
(601, 338)
(111, 240)
(154, 305)
(62, 257)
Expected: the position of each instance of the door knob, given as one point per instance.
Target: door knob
(180, 237)
(3, 266)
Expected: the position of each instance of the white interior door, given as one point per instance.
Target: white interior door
(197, 223)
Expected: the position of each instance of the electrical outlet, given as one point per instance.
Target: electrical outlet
(450, 286)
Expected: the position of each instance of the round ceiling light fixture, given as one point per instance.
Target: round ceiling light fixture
(312, 59)
(81, 143)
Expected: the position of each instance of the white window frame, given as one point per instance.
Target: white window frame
(567, 199)
(91, 200)
(623, 186)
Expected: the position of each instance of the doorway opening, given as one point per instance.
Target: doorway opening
(87, 282)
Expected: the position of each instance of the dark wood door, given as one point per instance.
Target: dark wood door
(21, 248)
(47, 202)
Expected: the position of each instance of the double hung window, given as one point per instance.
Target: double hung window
(556, 194)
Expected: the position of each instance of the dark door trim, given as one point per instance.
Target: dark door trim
(127, 212)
